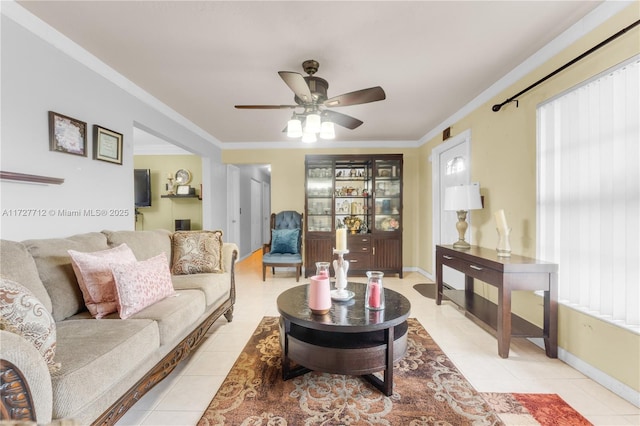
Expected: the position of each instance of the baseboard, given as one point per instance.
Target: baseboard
(623, 391)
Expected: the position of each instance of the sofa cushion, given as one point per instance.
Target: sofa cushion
(54, 266)
(93, 271)
(141, 284)
(216, 287)
(23, 314)
(17, 264)
(196, 252)
(145, 244)
(95, 355)
(173, 315)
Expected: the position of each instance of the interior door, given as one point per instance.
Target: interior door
(256, 215)
(233, 204)
(266, 212)
(453, 161)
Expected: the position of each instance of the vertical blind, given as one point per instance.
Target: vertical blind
(589, 194)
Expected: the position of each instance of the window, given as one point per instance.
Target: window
(455, 165)
(589, 194)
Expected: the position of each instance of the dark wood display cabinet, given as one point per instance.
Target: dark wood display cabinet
(363, 193)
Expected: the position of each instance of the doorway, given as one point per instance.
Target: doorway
(233, 203)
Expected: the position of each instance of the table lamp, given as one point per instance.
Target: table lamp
(461, 199)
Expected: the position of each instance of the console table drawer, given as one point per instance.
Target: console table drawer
(488, 275)
(454, 262)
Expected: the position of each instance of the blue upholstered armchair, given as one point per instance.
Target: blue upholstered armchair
(285, 247)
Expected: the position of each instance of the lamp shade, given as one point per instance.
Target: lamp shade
(312, 123)
(294, 128)
(308, 137)
(462, 197)
(327, 130)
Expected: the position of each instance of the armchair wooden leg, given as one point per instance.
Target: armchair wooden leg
(264, 273)
(298, 271)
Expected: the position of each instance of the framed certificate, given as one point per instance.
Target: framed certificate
(107, 145)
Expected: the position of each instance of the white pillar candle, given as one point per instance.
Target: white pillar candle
(501, 220)
(341, 239)
(354, 208)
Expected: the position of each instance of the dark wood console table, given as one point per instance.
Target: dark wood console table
(507, 274)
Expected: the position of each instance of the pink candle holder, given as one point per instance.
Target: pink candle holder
(374, 295)
(319, 295)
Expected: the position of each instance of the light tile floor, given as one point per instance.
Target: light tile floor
(183, 396)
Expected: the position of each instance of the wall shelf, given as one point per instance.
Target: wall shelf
(22, 177)
(181, 196)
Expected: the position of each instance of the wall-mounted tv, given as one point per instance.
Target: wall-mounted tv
(142, 187)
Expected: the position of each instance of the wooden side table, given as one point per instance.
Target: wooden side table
(506, 274)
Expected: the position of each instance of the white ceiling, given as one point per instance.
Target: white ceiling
(202, 58)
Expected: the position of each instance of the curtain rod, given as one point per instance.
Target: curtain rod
(497, 107)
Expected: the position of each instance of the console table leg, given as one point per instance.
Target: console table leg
(438, 280)
(551, 317)
(503, 331)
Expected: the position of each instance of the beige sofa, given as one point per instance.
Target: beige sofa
(107, 364)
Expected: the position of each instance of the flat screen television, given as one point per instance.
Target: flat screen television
(142, 187)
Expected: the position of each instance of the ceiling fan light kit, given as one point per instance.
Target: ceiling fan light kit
(311, 95)
(294, 128)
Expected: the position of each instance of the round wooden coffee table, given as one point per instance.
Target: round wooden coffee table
(349, 339)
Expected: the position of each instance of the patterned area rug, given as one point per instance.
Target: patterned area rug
(534, 409)
(428, 390)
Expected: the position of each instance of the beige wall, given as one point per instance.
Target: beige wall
(503, 155)
(164, 211)
(287, 182)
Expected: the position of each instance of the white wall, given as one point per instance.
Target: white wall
(37, 77)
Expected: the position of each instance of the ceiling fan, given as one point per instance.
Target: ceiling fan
(311, 95)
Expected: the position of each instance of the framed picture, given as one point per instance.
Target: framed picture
(67, 134)
(183, 190)
(107, 145)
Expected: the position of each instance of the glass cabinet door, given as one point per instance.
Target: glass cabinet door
(319, 196)
(353, 195)
(388, 195)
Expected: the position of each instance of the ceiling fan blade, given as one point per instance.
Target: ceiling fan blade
(297, 83)
(363, 96)
(342, 119)
(266, 106)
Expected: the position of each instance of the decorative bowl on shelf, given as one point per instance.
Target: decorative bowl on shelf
(352, 223)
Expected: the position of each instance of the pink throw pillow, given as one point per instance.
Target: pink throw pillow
(142, 284)
(93, 271)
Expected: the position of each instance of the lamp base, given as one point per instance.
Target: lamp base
(461, 226)
(461, 245)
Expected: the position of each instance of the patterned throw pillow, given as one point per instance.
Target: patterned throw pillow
(93, 271)
(141, 284)
(197, 252)
(23, 314)
(285, 241)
